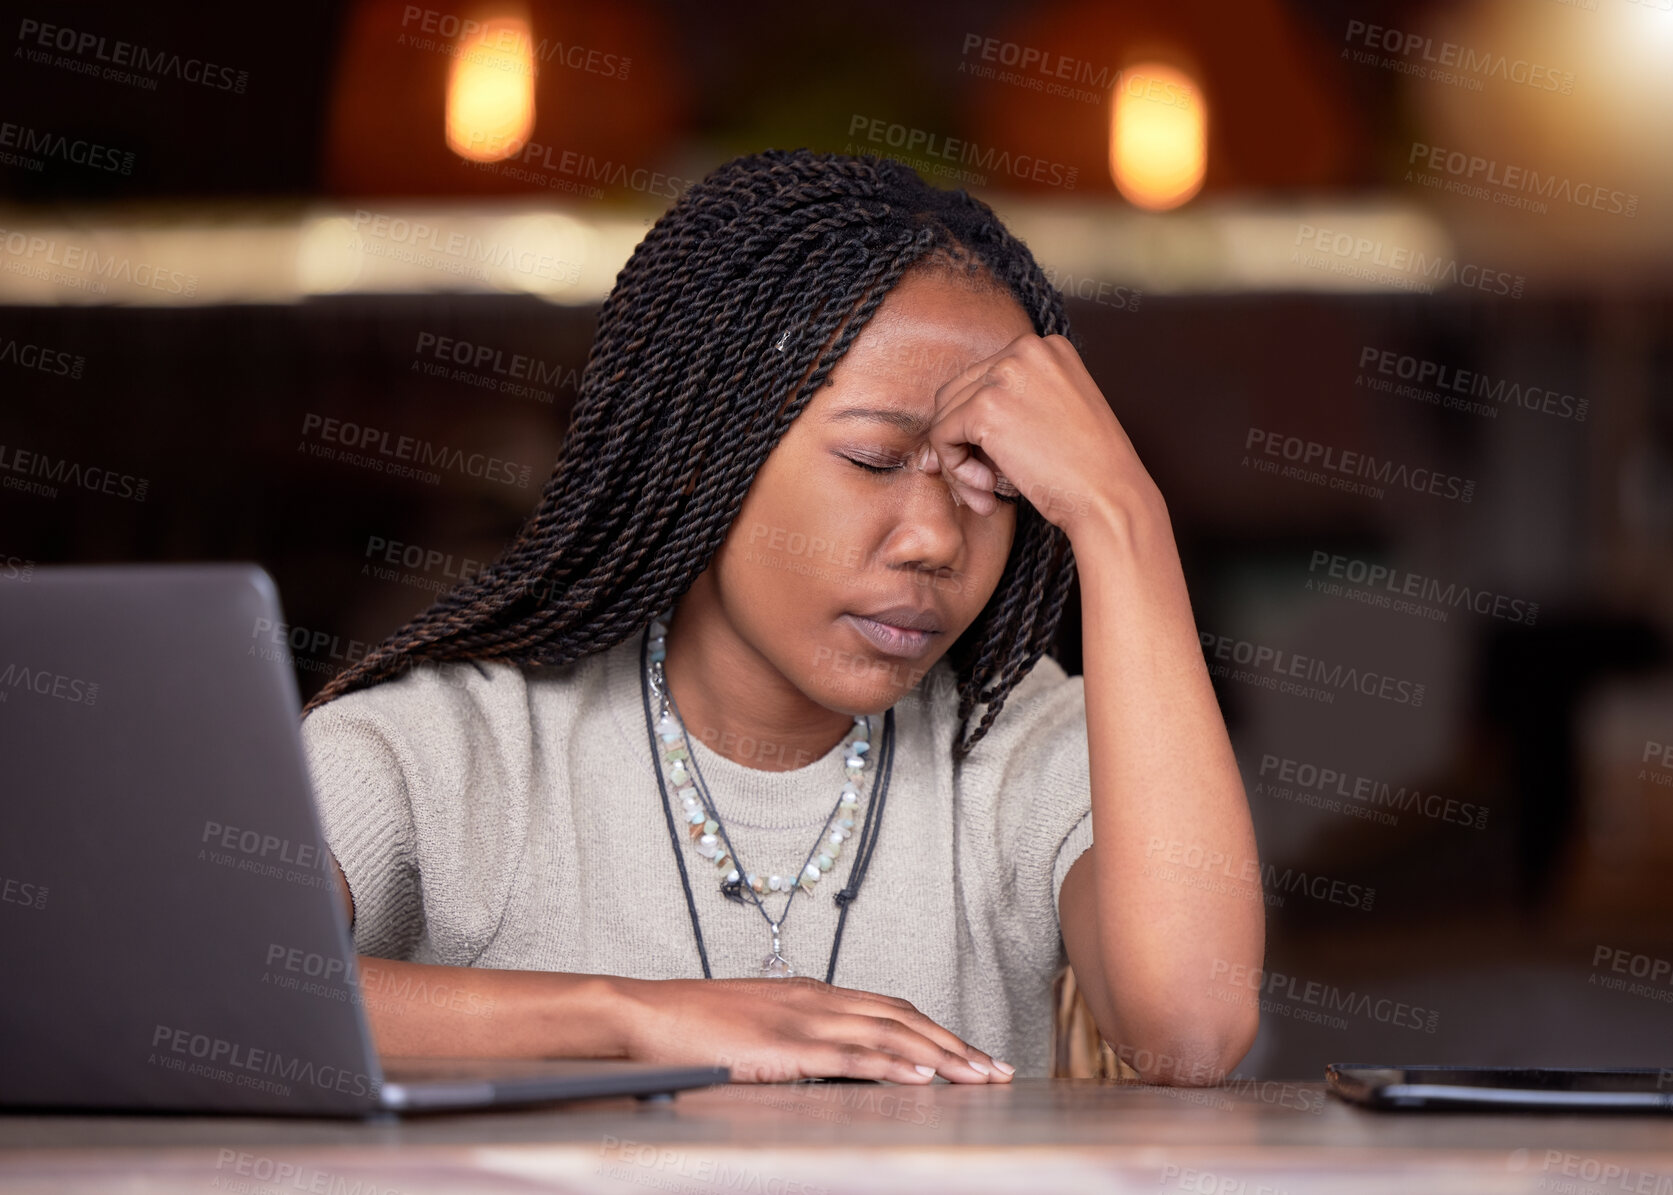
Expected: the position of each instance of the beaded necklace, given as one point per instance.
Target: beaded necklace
(671, 747)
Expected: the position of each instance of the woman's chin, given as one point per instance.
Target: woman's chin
(855, 696)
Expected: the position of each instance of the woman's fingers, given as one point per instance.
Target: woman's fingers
(895, 1037)
(969, 465)
(975, 494)
(955, 446)
(773, 1030)
(950, 1043)
(849, 1060)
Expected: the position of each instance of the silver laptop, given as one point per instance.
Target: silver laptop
(171, 931)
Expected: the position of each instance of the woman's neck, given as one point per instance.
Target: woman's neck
(734, 700)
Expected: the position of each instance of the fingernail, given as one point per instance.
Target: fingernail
(1005, 1066)
(922, 457)
(978, 1067)
(924, 1070)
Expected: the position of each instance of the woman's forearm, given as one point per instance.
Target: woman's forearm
(423, 1010)
(1165, 789)
(428, 1010)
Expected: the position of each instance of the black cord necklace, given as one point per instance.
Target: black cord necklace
(868, 833)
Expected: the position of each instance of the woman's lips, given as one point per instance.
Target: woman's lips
(891, 640)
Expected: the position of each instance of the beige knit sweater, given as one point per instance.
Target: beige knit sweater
(491, 815)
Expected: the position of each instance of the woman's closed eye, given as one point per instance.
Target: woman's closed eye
(899, 462)
(876, 464)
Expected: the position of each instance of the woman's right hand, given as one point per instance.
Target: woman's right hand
(773, 1030)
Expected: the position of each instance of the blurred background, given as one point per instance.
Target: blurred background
(1380, 291)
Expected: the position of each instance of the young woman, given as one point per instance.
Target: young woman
(758, 694)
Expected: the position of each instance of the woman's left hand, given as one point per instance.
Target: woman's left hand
(1032, 413)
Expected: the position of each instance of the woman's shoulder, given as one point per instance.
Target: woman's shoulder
(1044, 699)
(1044, 678)
(1023, 802)
(427, 688)
(441, 730)
(1036, 741)
(449, 697)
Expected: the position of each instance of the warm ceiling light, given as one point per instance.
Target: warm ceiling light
(490, 90)
(1158, 136)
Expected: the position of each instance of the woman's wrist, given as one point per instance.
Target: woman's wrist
(595, 1017)
(1128, 532)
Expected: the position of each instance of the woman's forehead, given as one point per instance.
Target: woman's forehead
(926, 333)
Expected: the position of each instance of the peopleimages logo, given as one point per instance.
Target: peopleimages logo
(273, 1174)
(1399, 583)
(1060, 75)
(26, 463)
(44, 145)
(52, 362)
(214, 1055)
(1479, 63)
(1662, 754)
(1353, 471)
(1478, 175)
(1596, 1175)
(265, 847)
(1450, 385)
(570, 170)
(35, 256)
(14, 891)
(1265, 876)
(963, 152)
(1655, 974)
(144, 61)
(1395, 265)
(46, 683)
(1279, 663)
(477, 361)
(401, 239)
(1036, 61)
(1323, 785)
(443, 568)
(454, 35)
(1324, 996)
(358, 444)
(673, 1169)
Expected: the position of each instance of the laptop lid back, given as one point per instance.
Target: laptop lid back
(170, 928)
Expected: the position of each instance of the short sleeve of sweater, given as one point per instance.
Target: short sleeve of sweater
(422, 786)
(1026, 789)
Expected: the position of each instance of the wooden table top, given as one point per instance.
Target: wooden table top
(1032, 1135)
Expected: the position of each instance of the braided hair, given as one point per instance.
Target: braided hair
(722, 326)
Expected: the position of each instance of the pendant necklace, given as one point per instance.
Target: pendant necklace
(670, 750)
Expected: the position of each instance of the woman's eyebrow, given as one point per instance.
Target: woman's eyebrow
(908, 421)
